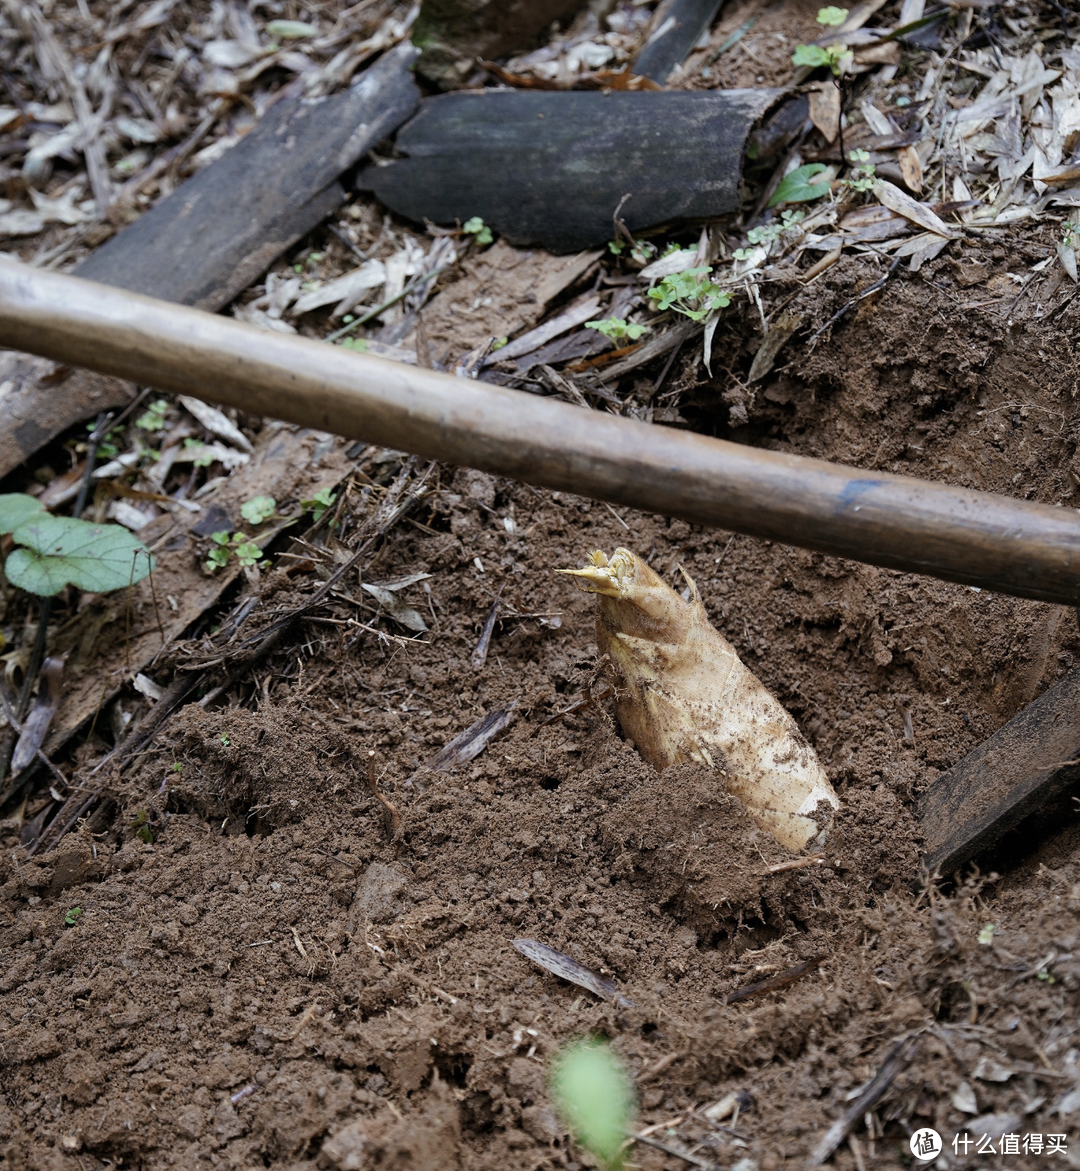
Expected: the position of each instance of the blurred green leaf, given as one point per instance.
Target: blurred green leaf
(595, 1097)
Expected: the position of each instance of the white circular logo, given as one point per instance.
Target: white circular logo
(925, 1144)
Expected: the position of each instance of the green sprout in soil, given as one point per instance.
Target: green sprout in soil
(863, 171)
(200, 461)
(595, 1098)
(225, 545)
(153, 418)
(691, 293)
(836, 56)
(258, 509)
(319, 503)
(55, 551)
(986, 934)
(140, 823)
(480, 232)
(641, 251)
(617, 329)
(72, 917)
(107, 447)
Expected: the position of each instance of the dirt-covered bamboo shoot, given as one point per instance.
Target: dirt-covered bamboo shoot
(682, 694)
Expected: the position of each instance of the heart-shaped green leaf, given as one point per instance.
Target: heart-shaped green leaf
(16, 508)
(795, 187)
(59, 549)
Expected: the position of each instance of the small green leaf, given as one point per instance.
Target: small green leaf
(258, 509)
(986, 934)
(59, 550)
(16, 508)
(617, 328)
(595, 1098)
(475, 226)
(248, 554)
(72, 917)
(288, 30)
(359, 344)
(221, 537)
(797, 188)
(832, 16)
(813, 56)
(153, 418)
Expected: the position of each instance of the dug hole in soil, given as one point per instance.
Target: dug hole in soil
(274, 981)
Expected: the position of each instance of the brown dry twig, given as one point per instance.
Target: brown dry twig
(896, 1061)
(772, 983)
(392, 815)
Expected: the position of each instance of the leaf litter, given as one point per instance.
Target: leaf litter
(553, 828)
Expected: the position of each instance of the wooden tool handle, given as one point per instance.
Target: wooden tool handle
(1016, 547)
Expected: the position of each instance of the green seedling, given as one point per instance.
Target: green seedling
(107, 446)
(641, 251)
(766, 233)
(863, 169)
(140, 823)
(595, 1098)
(836, 56)
(359, 344)
(1070, 235)
(795, 187)
(617, 328)
(691, 293)
(319, 503)
(55, 551)
(499, 342)
(224, 546)
(986, 934)
(258, 509)
(480, 232)
(72, 917)
(247, 553)
(178, 766)
(153, 418)
(200, 461)
(225, 740)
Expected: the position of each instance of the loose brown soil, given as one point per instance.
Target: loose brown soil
(273, 981)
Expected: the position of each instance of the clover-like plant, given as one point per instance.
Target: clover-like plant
(836, 56)
(54, 551)
(691, 293)
(479, 231)
(617, 328)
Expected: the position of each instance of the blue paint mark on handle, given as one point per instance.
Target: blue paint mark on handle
(855, 488)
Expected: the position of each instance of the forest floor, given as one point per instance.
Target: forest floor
(235, 959)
